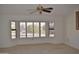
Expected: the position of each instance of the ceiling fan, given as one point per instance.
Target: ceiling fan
(41, 9)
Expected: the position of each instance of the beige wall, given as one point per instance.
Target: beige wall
(64, 16)
(72, 35)
(5, 40)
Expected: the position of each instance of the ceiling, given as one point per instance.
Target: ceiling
(59, 9)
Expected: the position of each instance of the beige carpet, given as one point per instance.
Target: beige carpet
(40, 49)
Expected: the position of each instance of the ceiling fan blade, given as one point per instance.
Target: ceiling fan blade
(46, 10)
(49, 8)
(33, 12)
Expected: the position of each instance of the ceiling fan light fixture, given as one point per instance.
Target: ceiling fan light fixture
(41, 9)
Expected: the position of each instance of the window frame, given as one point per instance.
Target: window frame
(17, 22)
(25, 30)
(33, 29)
(11, 30)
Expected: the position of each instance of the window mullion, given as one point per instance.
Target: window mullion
(39, 29)
(18, 29)
(46, 26)
(33, 29)
(26, 28)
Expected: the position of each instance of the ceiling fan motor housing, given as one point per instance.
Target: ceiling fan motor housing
(39, 8)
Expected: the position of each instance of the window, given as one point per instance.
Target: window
(36, 29)
(22, 30)
(43, 32)
(77, 20)
(28, 29)
(51, 29)
(13, 30)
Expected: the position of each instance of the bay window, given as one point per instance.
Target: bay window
(32, 29)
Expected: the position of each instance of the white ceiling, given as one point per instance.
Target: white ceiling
(23, 8)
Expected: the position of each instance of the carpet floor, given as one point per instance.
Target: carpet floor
(40, 49)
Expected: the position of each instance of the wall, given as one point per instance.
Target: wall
(64, 24)
(5, 40)
(0, 31)
(72, 35)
